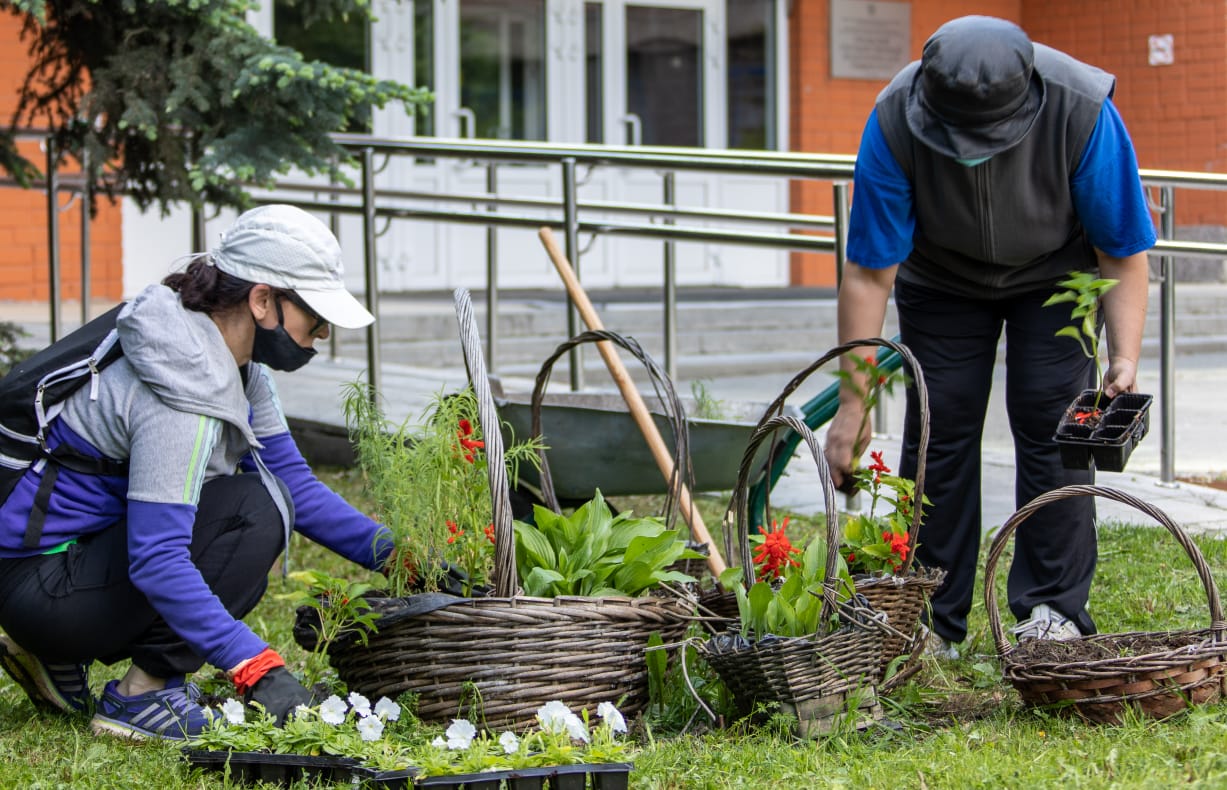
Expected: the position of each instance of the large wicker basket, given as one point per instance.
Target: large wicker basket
(902, 596)
(1158, 673)
(509, 653)
(821, 677)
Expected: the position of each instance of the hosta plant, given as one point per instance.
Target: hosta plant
(595, 553)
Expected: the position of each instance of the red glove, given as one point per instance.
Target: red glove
(250, 672)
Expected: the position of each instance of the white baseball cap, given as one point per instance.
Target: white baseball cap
(285, 247)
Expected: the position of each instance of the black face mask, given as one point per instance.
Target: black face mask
(275, 347)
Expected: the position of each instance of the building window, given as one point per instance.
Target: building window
(594, 74)
(337, 42)
(502, 67)
(751, 74)
(664, 79)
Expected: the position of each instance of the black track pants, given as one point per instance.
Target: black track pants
(955, 341)
(80, 605)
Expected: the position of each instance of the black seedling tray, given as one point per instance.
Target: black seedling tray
(1124, 422)
(285, 769)
(603, 776)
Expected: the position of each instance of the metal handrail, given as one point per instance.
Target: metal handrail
(372, 203)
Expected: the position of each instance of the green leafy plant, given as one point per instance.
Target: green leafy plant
(595, 553)
(1085, 291)
(787, 598)
(430, 487)
(341, 608)
(706, 405)
(10, 353)
(877, 542)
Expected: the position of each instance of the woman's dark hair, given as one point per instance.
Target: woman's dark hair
(207, 289)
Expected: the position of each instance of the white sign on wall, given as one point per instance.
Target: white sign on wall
(870, 40)
(1162, 50)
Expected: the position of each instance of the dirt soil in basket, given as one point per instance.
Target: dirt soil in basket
(1043, 651)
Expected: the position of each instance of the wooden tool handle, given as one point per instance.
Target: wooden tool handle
(634, 401)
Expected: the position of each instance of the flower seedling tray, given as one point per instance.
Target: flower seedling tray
(283, 769)
(584, 776)
(1123, 423)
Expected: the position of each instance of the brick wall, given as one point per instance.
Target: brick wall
(23, 213)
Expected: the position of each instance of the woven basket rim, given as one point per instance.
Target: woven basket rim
(1204, 648)
(1217, 627)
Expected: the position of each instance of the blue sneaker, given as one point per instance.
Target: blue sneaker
(58, 687)
(171, 713)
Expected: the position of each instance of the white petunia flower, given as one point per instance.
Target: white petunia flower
(576, 728)
(387, 709)
(332, 710)
(509, 742)
(611, 716)
(234, 711)
(553, 716)
(460, 734)
(370, 728)
(360, 704)
(438, 742)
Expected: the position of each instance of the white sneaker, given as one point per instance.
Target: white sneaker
(936, 647)
(1046, 623)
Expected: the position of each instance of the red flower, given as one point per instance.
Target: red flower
(898, 545)
(872, 362)
(455, 530)
(1081, 417)
(489, 532)
(878, 466)
(776, 551)
(469, 445)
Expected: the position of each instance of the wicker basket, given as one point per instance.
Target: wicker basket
(509, 653)
(820, 677)
(902, 596)
(1159, 673)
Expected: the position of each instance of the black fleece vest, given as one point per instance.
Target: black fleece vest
(1008, 225)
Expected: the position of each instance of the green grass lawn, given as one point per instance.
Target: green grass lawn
(958, 724)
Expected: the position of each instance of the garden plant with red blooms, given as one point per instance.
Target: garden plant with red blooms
(774, 554)
(431, 488)
(877, 542)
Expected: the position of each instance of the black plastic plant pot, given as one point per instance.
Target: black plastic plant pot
(1108, 442)
(282, 769)
(604, 776)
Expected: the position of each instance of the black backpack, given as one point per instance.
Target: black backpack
(33, 394)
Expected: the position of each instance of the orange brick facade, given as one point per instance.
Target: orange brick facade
(1176, 114)
(23, 214)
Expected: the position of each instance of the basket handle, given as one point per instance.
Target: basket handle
(665, 392)
(777, 408)
(767, 428)
(504, 574)
(1004, 648)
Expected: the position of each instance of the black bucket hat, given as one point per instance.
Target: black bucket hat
(976, 92)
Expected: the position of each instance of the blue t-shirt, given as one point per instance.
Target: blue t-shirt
(1107, 194)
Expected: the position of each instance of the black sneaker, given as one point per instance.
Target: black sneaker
(172, 713)
(59, 687)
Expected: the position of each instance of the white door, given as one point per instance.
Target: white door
(614, 71)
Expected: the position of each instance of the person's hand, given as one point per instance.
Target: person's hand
(279, 693)
(1121, 377)
(842, 439)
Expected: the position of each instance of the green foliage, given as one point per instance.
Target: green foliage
(790, 605)
(341, 608)
(430, 486)
(182, 101)
(706, 405)
(594, 553)
(10, 353)
(877, 542)
(870, 382)
(1085, 291)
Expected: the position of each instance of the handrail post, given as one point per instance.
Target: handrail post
(841, 212)
(198, 229)
(492, 271)
(85, 238)
(670, 273)
(53, 239)
(370, 269)
(334, 225)
(571, 227)
(1167, 343)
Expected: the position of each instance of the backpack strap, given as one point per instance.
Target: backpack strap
(63, 457)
